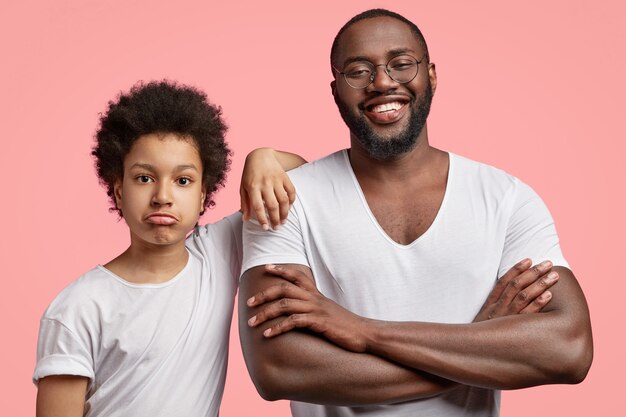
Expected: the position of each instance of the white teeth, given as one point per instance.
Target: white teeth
(381, 108)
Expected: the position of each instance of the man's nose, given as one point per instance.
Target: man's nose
(382, 81)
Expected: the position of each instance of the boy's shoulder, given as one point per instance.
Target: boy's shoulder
(219, 242)
(225, 227)
(82, 295)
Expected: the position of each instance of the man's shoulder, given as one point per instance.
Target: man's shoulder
(321, 170)
(479, 174)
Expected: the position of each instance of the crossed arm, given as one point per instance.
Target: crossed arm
(398, 361)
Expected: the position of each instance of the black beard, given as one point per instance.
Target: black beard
(381, 148)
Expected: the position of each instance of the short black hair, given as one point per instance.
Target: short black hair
(161, 107)
(370, 14)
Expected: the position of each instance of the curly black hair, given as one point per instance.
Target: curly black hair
(161, 107)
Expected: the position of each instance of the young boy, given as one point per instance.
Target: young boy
(147, 333)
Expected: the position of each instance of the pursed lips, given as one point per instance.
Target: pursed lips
(161, 218)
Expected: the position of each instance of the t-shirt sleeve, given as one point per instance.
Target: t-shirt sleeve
(281, 246)
(223, 239)
(61, 352)
(236, 223)
(531, 232)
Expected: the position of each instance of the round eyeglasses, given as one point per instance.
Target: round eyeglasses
(402, 69)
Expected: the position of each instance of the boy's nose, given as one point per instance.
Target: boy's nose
(162, 196)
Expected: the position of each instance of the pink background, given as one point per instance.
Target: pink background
(534, 87)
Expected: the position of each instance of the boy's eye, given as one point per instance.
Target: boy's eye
(184, 181)
(144, 179)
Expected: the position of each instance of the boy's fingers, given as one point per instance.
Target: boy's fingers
(256, 201)
(290, 189)
(245, 209)
(271, 206)
(283, 202)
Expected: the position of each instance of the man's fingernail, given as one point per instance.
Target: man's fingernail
(552, 276)
(267, 332)
(546, 296)
(250, 301)
(270, 266)
(545, 264)
(252, 321)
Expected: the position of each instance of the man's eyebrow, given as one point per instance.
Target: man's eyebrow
(390, 54)
(399, 51)
(352, 59)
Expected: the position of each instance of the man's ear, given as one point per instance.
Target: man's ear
(432, 74)
(333, 87)
(117, 193)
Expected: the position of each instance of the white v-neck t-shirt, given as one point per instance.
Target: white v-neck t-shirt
(149, 349)
(487, 222)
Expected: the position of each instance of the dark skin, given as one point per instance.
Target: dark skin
(371, 380)
(400, 361)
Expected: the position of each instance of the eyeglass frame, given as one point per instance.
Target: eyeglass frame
(374, 72)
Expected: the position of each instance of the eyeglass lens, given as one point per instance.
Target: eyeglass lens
(401, 69)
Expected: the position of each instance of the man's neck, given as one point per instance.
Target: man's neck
(407, 166)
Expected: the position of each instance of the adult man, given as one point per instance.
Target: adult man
(406, 242)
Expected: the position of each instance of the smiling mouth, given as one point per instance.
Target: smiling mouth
(386, 113)
(386, 107)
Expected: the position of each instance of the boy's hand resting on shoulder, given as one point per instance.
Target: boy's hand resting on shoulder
(266, 190)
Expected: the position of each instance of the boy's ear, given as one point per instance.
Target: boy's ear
(202, 198)
(117, 192)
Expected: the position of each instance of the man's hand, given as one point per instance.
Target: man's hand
(305, 307)
(521, 290)
(265, 185)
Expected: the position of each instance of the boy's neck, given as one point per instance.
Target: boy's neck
(142, 264)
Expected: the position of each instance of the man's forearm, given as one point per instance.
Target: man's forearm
(505, 353)
(304, 367)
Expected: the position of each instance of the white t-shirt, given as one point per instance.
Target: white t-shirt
(149, 349)
(488, 221)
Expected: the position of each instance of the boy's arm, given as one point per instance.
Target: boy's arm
(61, 395)
(266, 186)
